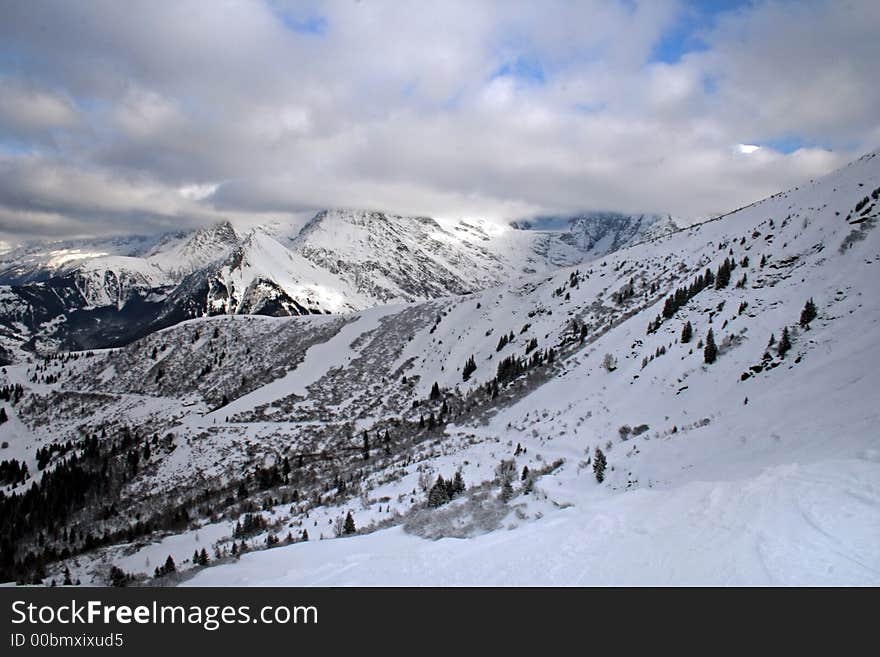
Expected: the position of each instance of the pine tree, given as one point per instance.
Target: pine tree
(469, 368)
(687, 333)
(808, 314)
(438, 495)
(710, 351)
(722, 278)
(784, 343)
(366, 447)
(458, 486)
(68, 581)
(170, 566)
(3, 416)
(349, 528)
(599, 465)
(506, 490)
(435, 391)
(118, 578)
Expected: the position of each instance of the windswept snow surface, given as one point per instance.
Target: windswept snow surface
(816, 524)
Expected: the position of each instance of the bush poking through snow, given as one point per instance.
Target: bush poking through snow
(609, 362)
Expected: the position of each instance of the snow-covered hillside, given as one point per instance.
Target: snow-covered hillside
(759, 466)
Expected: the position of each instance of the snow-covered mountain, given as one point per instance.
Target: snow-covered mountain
(40, 261)
(340, 261)
(179, 255)
(599, 233)
(755, 462)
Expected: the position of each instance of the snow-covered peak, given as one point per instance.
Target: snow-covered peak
(184, 254)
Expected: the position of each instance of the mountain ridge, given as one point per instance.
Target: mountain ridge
(339, 261)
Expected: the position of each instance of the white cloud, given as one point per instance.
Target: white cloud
(134, 111)
(27, 109)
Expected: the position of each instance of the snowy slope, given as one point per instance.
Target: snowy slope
(779, 528)
(754, 469)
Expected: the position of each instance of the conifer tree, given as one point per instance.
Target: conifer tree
(118, 578)
(458, 486)
(469, 368)
(808, 314)
(784, 343)
(710, 351)
(599, 465)
(435, 391)
(506, 490)
(349, 527)
(438, 495)
(687, 333)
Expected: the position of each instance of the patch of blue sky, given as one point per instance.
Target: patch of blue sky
(523, 68)
(685, 35)
(590, 108)
(304, 22)
(10, 146)
(788, 144)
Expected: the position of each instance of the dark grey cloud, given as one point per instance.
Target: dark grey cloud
(140, 116)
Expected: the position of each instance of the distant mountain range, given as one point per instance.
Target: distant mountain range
(92, 293)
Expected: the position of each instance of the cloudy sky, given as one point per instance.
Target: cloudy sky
(144, 116)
